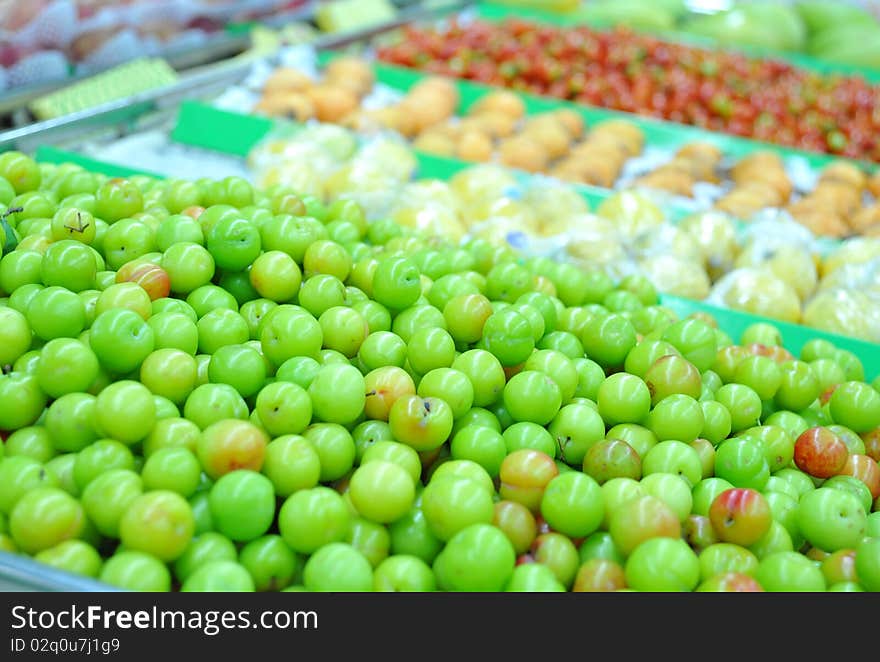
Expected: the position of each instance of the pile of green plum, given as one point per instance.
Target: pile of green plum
(208, 387)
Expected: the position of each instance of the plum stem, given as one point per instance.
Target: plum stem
(79, 227)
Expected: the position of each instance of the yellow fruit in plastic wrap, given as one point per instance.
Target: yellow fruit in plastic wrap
(595, 242)
(757, 291)
(552, 201)
(715, 233)
(432, 219)
(297, 175)
(631, 211)
(428, 192)
(669, 240)
(792, 263)
(864, 277)
(851, 251)
(482, 183)
(392, 155)
(338, 142)
(568, 226)
(675, 275)
(359, 178)
(511, 233)
(847, 312)
(297, 149)
(515, 213)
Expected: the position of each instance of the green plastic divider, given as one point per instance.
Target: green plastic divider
(794, 336)
(491, 11)
(48, 154)
(204, 126)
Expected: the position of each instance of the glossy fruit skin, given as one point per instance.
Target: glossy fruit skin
(219, 575)
(789, 571)
(740, 516)
(831, 519)
(642, 519)
(45, 517)
(477, 558)
(338, 567)
(868, 563)
(453, 504)
(160, 523)
(820, 453)
(382, 491)
(136, 571)
(242, 505)
(319, 505)
(663, 564)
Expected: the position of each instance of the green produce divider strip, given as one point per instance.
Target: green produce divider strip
(491, 11)
(222, 131)
(49, 154)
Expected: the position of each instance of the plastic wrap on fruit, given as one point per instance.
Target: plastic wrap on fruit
(428, 206)
(632, 212)
(504, 231)
(669, 240)
(851, 251)
(512, 212)
(778, 225)
(297, 175)
(428, 192)
(757, 291)
(862, 277)
(846, 312)
(433, 220)
(341, 144)
(568, 226)
(391, 153)
(595, 243)
(552, 200)
(789, 261)
(676, 275)
(373, 188)
(288, 143)
(475, 185)
(715, 233)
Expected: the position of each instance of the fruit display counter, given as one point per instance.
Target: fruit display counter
(208, 386)
(348, 325)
